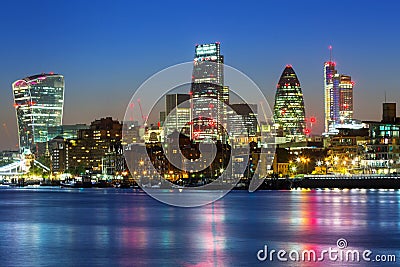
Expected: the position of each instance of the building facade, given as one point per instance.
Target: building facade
(289, 112)
(338, 98)
(65, 131)
(177, 113)
(382, 151)
(208, 82)
(38, 102)
(97, 149)
(243, 115)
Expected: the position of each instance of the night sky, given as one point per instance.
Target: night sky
(106, 49)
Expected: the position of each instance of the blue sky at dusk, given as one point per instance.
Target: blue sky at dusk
(106, 49)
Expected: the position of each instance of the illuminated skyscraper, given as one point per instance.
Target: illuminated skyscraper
(338, 90)
(289, 113)
(208, 82)
(208, 66)
(345, 97)
(38, 102)
(331, 95)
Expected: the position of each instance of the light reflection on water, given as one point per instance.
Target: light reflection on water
(93, 227)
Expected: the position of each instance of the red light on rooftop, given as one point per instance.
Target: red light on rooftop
(307, 131)
(313, 120)
(353, 83)
(288, 66)
(51, 72)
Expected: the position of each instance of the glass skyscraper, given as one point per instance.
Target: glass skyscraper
(289, 112)
(331, 95)
(345, 97)
(338, 90)
(38, 102)
(208, 82)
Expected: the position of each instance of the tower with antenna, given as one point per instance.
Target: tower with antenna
(329, 94)
(338, 97)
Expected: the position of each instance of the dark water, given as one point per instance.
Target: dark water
(108, 227)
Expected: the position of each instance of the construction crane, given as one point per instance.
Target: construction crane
(141, 112)
(263, 110)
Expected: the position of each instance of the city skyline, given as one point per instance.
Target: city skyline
(103, 63)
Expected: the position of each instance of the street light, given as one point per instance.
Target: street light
(294, 169)
(390, 164)
(327, 166)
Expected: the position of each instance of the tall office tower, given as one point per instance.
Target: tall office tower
(338, 90)
(345, 97)
(208, 82)
(289, 113)
(38, 102)
(331, 95)
(177, 113)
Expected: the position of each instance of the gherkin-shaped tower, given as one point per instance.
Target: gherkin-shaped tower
(289, 113)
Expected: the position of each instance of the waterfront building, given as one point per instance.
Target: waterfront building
(373, 148)
(96, 145)
(345, 150)
(58, 155)
(38, 102)
(289, 112)
(382, 151)
(280, 164)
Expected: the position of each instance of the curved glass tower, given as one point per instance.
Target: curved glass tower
(38, 102)
(289, 113)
